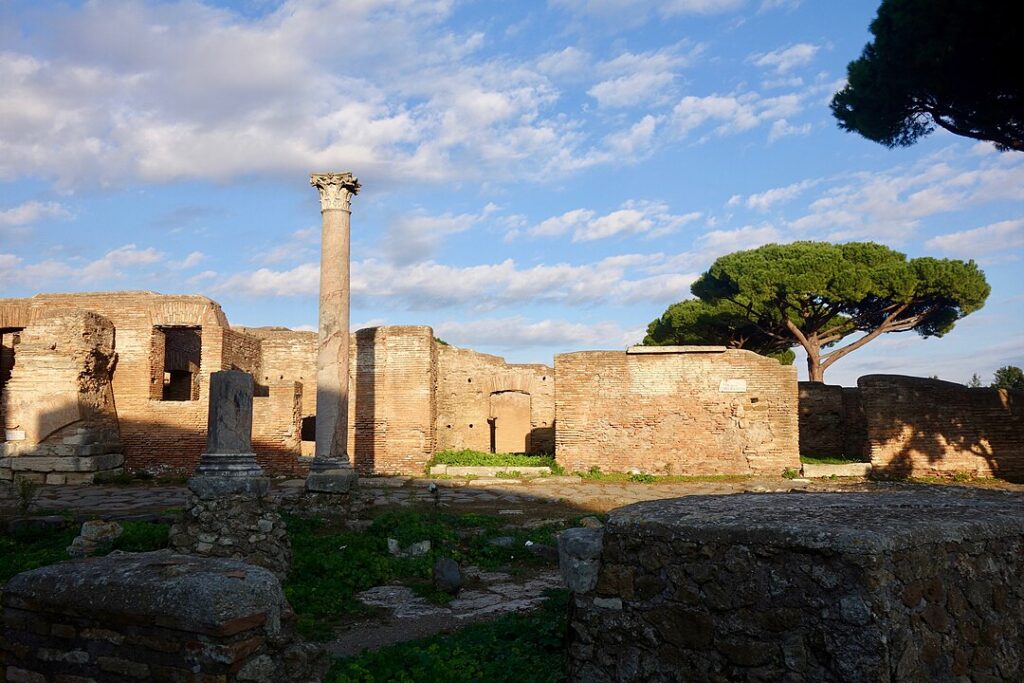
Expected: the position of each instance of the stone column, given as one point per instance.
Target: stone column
(229, 466)
(331, 470)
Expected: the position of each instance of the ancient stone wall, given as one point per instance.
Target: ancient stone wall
(902, 587)
(287, 356)
(676, 410)
(470, 389)
(58, 405)
(277, 428)
(151, 617)
(241, 352)
(831, 421)
(919, 426)
(391, 418)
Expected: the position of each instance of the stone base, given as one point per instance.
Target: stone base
(152, 616)
(900, 587)
(331, 481)
(47, 469)
(242, 526)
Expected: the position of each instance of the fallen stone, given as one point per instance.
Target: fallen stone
(502, 541)
(94, 533)
(417, 549)
(447, 577)
(591, 523)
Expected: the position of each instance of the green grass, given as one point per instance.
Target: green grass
(34, 548)
(331, 565)
(829, 459)
(595, 474)
(470, 458)
(514, 648)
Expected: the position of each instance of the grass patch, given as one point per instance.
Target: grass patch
(330, 565)
(829, 460)
(514, 648)
(471, 458)
(33, 548)
(595, 474)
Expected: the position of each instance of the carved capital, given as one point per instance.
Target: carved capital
(336, 189)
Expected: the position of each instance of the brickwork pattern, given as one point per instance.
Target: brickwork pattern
(467, 379)
(919, 426)
(832, 421)
(676, 413)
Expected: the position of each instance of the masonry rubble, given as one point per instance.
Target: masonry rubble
(228, 511)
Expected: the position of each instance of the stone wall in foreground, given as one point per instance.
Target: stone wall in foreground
(151, 617)
(918, 426)
(903, 587)
(676, 410)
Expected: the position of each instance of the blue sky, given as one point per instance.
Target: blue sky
(538, 177)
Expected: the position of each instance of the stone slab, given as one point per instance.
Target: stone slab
(480, 471)
(94, 463)
(230, 414)
(853, 469)
(204, 595)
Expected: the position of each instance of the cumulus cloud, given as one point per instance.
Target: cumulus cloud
(416, 237)
(32, 211)
(115, 265)
(995, 237)
(636, 78)
(786, 59)
(113, 92)
(762, 201)
(634, 217)
(632, 12)
(517, 332)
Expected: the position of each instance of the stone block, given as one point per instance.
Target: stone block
(853, 469)
(906, 586)
(229, 427)
(96, 463)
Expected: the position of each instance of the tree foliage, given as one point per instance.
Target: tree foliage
(816, 294)
(696, 322)
(950, 63)
(1009, 377)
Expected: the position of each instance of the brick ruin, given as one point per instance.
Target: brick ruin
(411, 395)
(676, 410)
(90, 380)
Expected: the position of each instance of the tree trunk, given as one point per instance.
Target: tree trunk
(815, 371)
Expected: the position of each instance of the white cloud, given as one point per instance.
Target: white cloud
(781, 128)
(113, 264)
(416, 237)
(32, 211)
(631, 78)
(788, 58)
(736, 113)
(630, 143)
(569, 63)
(718, 242)
(130, 92)
(517, 332)
(633, 12)
(634, 217)
(762, 201)
(996, 237)
(190, 261)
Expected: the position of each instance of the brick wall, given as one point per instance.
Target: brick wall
(287, 356)
(678, 410)
(391, 418)
(276, 428)
(831, 421)
(919, 426)
(466, 380)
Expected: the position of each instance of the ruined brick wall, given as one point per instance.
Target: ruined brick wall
(287, 356)
(392, 408)
(919, 426)
(277, 427)
(241, 352)
(676, 410)
(466, 381)
(831, 421)
(157, 435)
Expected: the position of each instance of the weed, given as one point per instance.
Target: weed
(790, 473)
(515, 647)
(470, 458)
(27, 489)
(829, 460)
(642, 478)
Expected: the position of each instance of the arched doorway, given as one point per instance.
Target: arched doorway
(510, 422)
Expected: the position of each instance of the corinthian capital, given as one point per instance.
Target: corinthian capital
(336, 189)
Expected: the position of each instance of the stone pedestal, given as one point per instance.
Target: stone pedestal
(331, 470)
(228, 510)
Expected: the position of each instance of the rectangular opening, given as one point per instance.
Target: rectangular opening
(182, 360)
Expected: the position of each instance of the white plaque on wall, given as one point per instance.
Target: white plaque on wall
(14, 435)
(732, 386)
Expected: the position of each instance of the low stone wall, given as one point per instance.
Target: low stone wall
(921, 586)
(151, 616)
(675, 410)
(832, 421)
(919, 426)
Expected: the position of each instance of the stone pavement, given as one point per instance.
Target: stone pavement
(498, 493)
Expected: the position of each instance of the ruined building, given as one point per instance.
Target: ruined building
(95, 382)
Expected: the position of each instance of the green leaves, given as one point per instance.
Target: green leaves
(938, 62)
